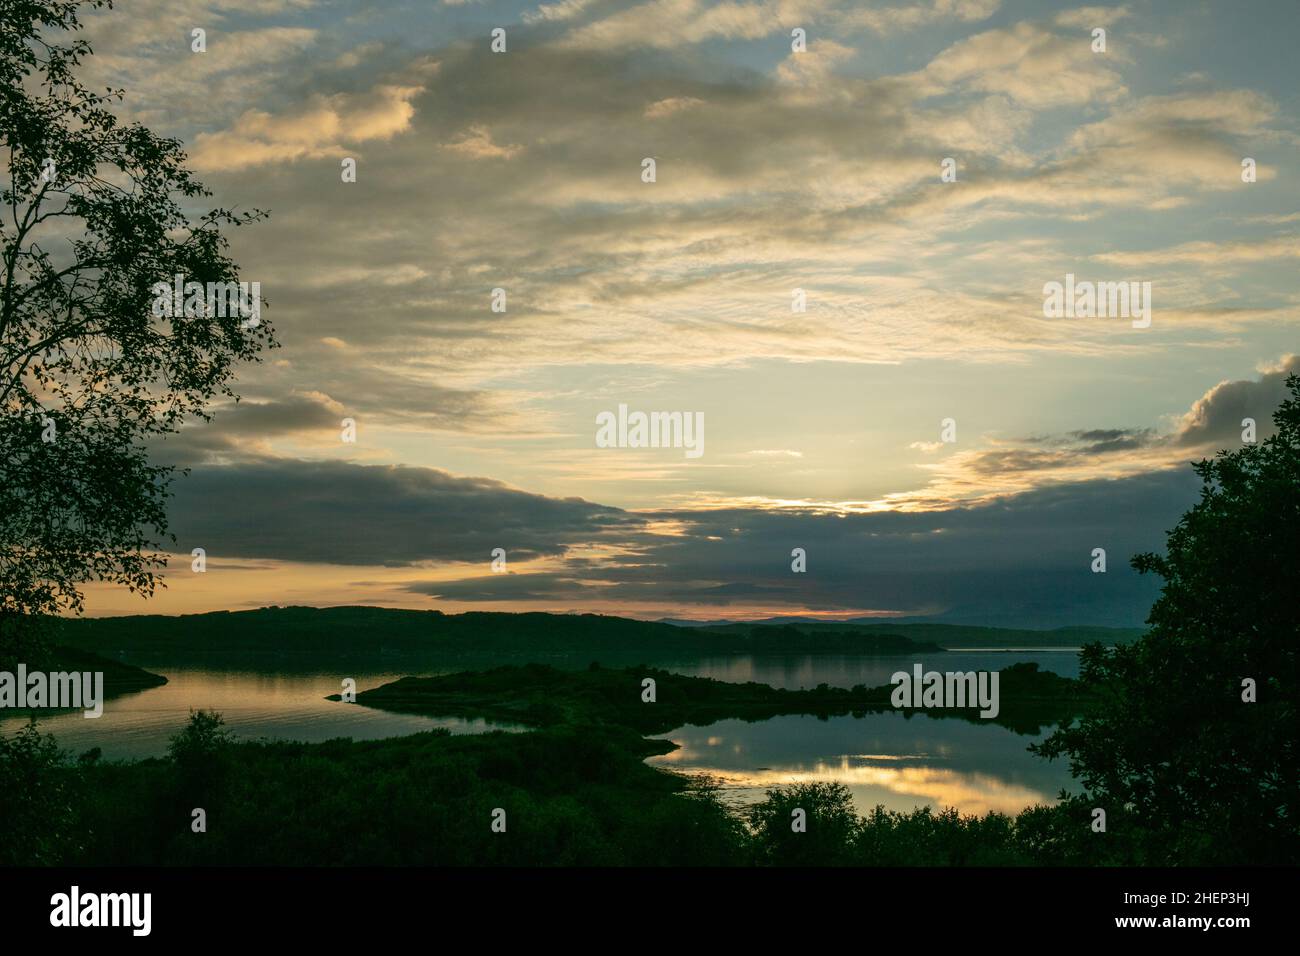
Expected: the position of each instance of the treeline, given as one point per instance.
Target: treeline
(539, 696)
(400, 639)
(570, 796)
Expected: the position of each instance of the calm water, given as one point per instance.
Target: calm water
(804, 671)
(273, 706)
(883, 758)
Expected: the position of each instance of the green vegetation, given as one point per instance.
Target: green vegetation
(119, 677)
(398, 639)
(576, 790)
(541, 696)
(1188, 736)
(89, 375)
(572, 796)
(1198, 733)
(390, 638)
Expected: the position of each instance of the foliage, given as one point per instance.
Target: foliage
(831, 825)
(94, 212)
(1208, 775)
(38, 801)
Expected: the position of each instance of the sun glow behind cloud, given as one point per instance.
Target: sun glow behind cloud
(777, 170)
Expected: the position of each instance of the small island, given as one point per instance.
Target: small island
(544, 697)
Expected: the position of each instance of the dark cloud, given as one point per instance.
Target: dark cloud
(340, 513)
(511, 586)
(1015, 460)
(1021, 558)
(1100, 441)
(236, 426)
(291, 414)
(1024, 558)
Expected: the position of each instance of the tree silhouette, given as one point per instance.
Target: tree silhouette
(38, 802)
(826, 837)
(95, 213)
(1207, 775)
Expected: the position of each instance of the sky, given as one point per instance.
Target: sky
(916, 173)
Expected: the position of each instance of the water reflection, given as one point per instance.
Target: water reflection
(885, 758)
(254, 705)
(807, 671)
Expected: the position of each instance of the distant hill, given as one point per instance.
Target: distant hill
(389, 637)
(1025, 619)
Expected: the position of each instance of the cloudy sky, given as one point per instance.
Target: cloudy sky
(775, 170)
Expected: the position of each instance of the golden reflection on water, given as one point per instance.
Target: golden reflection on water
(898, 781)
(968, 792)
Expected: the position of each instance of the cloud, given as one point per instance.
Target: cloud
(777, 171)
(815, 65)
(673, 23)
(325, 126)
(1028, 63)
(342, 513)
(1085, 18)
(1016, 551)
(1021, 561)
(249, 427)
(1216, 417)
(309, 421)
(146, 49)
(563, 10)
(476, 143)
(886, 20)
(1190, 139)
(1025, 555)
(671, 105)
(1008, 466)
(1208, 253)
(763, 186)
(299, 412)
